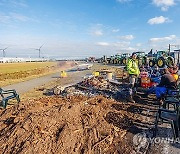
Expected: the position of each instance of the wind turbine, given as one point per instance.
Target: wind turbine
(4, 54)
(39, 49)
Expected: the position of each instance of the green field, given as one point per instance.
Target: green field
(17, 67)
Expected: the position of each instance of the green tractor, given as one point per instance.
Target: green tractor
(161, 59)
(124, 58)
(105, 60)
(142, 58)
(116, 59)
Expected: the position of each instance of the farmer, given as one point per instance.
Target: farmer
(174, 71)
(167, 83)
(133, 70)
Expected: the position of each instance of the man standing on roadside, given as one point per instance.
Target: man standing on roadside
(133, 70)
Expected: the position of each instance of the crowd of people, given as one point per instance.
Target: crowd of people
(164, 80)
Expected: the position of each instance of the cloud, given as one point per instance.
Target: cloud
(8, 18)
(14, 3)
(138, 45)
(164, 4)
(126, 37)
(97, 33)
(102, 43)
(123, 1)
(4, 18)
(96, 29)
(158, 20)
(19, 3)
(19, 17)
(161, 43)
(115, 30)
(122, 44)
(162, 39)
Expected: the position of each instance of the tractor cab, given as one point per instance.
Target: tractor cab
(140, 54)
(125, 55)
(162, 54)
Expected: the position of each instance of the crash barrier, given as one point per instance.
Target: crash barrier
(6, 95)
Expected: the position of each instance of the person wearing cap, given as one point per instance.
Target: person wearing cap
(133, 71)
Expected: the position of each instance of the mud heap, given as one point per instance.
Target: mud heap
(76, 124)
(92, 86)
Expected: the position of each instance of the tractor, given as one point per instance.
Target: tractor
(105, 60)
(161, 59)
(124, 57)
(142, 58)
(115, 59)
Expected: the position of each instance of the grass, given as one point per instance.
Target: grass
(13, 69)
(17, 67)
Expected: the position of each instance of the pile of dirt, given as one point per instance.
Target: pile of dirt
(76, 124)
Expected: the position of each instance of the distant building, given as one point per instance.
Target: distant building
(19, 60)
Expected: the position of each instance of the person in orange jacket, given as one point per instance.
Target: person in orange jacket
(174, 71)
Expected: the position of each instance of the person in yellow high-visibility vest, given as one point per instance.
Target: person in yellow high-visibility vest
(133, 70)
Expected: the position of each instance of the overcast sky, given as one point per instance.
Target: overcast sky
(81, 28)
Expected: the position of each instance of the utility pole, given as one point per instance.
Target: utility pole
(169, 49)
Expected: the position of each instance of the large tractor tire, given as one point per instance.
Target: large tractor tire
(119, 61)
(145, 61)
(151, 63)
(140, 62)
(170, 61)
(124, 61)
(161, 62)
(114, 61)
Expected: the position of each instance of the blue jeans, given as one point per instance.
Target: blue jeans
(159, 91)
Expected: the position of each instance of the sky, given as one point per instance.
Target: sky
(83, 28)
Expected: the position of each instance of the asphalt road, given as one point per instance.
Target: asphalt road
(25, 86)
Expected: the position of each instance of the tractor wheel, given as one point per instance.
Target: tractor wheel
(161, 62)
(144, 61)
(124, 61)
(169, 61)
(140, 62)
(151, 63)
